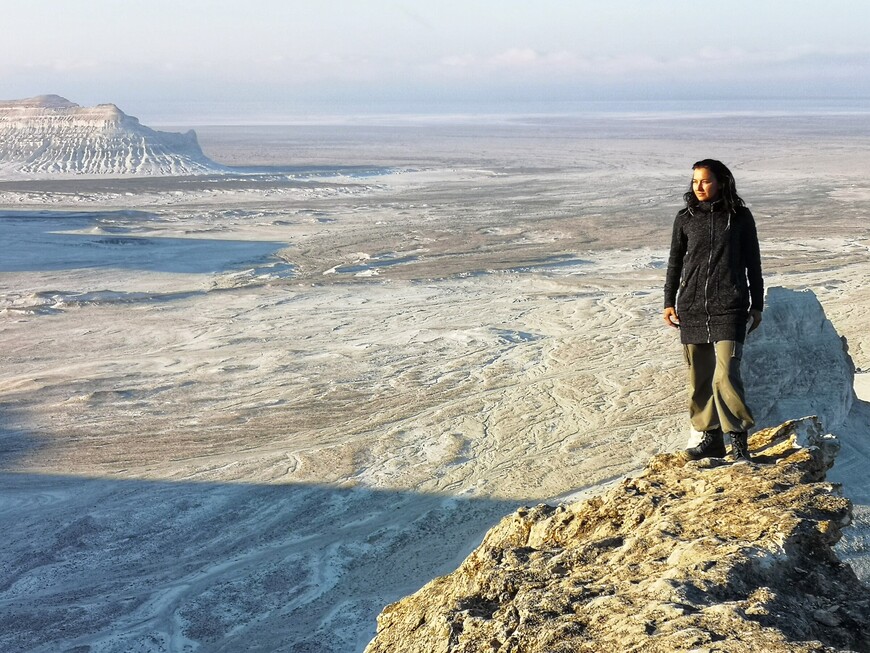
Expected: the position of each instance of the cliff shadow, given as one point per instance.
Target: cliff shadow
(124, 565)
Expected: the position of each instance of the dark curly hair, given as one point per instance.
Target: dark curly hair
(727, 186)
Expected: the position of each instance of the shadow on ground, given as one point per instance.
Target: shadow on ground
(105, 565)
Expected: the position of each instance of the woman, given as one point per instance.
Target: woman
(712, 289)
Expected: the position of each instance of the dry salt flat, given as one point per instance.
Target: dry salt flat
(246, 411)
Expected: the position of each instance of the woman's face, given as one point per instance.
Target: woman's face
(704, 185)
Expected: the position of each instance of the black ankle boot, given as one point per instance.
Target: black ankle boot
(740, 446)
(712, 446)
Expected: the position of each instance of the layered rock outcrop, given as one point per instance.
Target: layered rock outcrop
(687, 556)
(797, 363)
(49, 135)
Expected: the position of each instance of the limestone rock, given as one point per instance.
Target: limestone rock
(687, 556)
(49, 135)
(797, 363)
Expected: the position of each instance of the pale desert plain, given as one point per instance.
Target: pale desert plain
(243, 412)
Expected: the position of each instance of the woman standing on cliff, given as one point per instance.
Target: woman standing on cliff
(713, 289)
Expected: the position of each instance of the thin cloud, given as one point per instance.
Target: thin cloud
(528, 61)
(517, 57)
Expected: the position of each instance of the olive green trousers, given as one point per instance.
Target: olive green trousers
(716, 396)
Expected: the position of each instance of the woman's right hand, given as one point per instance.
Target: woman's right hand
(671, 317)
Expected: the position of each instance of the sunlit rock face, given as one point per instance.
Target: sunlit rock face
(687, 556)
(797, 363)
(49, 135)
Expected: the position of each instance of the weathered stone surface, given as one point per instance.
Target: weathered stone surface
(687, 556)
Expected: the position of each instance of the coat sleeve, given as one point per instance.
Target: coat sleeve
(675, 263)
(752, 258)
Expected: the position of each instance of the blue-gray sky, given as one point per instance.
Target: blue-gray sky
(289, 57)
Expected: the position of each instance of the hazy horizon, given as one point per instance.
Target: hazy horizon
(186, 114)
(169, 62)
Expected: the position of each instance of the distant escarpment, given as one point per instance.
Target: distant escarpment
(49, 135)
(687, 556)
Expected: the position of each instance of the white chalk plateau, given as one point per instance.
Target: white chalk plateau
(51, 136)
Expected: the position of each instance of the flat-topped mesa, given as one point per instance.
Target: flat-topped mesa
(700, 556)
(24, 114)
(40, 102)
(49, 135)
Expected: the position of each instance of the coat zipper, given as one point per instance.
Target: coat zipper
(707, 281)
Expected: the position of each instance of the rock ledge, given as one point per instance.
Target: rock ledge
(687, 556)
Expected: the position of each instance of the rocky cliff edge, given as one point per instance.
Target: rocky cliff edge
(687, 556)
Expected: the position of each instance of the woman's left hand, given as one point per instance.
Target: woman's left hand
(755, 316)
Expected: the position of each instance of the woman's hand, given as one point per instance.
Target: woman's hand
(671, 317)
(755, 316)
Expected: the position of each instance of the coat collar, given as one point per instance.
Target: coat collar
(707, 207)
